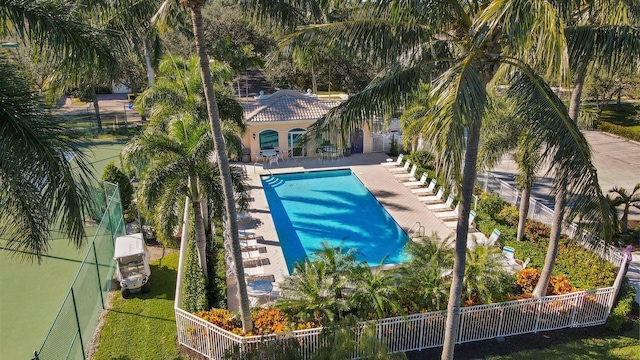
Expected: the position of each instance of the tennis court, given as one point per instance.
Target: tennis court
(31, 293)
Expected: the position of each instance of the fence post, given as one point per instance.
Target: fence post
(75, 311)
(95, 255)
(538, 311)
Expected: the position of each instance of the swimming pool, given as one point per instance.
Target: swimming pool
(335, 207)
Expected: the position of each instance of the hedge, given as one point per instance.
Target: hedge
(619, 130)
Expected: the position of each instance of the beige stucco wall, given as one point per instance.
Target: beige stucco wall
(283, 128)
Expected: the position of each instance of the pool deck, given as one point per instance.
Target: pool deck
(399, 201)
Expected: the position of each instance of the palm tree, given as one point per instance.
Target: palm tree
(374, 291)
(426, 278)
(44, 173)
(503, 131)
(311, 291)
(627, 199)
(603, 33)
(176, 104)
(231, 229)
(178, 166)
(484, 277)
(468, 48)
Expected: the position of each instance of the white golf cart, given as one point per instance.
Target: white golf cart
(132, 264)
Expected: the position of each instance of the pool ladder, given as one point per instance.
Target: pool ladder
(416, 230)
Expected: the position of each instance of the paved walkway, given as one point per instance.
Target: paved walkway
(618, 163)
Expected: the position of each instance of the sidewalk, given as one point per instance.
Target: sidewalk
(618, 163)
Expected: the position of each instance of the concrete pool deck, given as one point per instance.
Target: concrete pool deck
(401, 204)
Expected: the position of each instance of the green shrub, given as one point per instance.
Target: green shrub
(490, 205)
(114, 175)
(509, 215)
(622, 309)
(486, 226)
(619, 130)
(393, 150)
(422, 158)
(535, 231)
(194, 291)
(217, 289)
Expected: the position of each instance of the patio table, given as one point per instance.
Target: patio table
(259, 288)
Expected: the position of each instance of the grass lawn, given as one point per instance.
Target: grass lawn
(629, 117)
(623, 347)
(143, 326)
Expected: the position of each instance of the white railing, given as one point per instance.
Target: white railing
(426, 330)
(542, 213)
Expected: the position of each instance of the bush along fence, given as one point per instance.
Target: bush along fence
(77, 318)
(426, 330)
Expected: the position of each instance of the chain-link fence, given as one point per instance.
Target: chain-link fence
(77, 318)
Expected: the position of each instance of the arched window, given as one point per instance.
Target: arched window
(269, 139)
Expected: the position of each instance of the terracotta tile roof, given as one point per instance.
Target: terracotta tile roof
(286, 105)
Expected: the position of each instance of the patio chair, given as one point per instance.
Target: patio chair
(426, 191)
(448, 215)
(247, 234)
(508, 253)
(454, 224)
(437, 198)
(410, 176)
(421, 182)
(398, 161)
(259, 159)
(402, 169)
(248, 242)
(273, 160)
(442, 207)
(481, 239)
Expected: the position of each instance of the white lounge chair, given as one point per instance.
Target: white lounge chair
(426, 191)
(253, 271)
(247, 234)
(410, 176)
(421, 182)
(478, 238)
(441, 207)
(437, 198)
(453, 224)
(402, 169)
(398, 161)
(447, 215)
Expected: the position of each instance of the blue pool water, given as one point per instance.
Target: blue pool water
(334, 207)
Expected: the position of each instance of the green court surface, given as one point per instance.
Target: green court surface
(31, 293)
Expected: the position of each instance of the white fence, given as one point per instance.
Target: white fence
(426, 330)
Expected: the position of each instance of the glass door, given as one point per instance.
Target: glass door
(296, 148)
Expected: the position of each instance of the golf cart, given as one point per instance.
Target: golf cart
(132, 264)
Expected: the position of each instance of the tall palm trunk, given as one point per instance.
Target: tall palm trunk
(576, 92)
(552, 250)
(96, 107)
(198, 222)
(462, 230)
(524, 211)
(147, 59)
(223, 162)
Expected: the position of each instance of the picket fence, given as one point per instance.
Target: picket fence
(426, 330)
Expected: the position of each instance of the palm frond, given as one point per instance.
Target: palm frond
(565, 146)
(611, 47)
(527, 29)
(461, 102)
